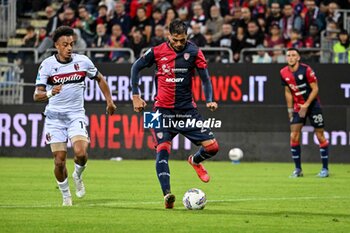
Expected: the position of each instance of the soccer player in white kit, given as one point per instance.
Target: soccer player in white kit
(61, 82)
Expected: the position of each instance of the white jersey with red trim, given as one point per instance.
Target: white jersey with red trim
(72, 75)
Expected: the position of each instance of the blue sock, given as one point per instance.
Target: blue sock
(206, 152)
(163, 172)
(200, 155)
(324, 156)
(296, 152)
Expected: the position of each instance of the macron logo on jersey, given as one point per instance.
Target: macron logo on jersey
(74, 77)
(174, 80)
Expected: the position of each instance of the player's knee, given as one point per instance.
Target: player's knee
(164, 146)
(212, 149)
(320, 136)
(60, 163)
(294, 137)
(80, 146)
(82, 153)
(322, 141)
(81, 157)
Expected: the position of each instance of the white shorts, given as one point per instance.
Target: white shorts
(61, 126)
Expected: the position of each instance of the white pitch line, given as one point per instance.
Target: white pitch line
(109, 204)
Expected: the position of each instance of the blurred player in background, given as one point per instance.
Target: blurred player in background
(175, 62)
(60, 81)
(301, 93)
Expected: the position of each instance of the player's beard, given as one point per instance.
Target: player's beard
(177, 49)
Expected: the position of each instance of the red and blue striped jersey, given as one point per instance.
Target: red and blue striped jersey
(174, 74)
(299, 83)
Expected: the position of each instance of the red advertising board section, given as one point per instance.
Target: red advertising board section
(252, 111)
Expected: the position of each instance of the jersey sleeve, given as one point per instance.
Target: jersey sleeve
(145, 60)
(207, 87)
(200, 61)
(43, 75)
(310, 75)
(148, 57)
(91, 70)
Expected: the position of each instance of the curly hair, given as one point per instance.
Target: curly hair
(62, 31)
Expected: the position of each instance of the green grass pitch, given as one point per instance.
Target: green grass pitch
(125, 197)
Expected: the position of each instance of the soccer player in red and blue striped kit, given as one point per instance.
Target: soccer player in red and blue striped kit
(176, 61)
(301, 93)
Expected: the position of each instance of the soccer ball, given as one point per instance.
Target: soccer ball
(194, 199)
(235, 154)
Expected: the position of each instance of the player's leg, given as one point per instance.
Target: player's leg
(209, 146)
(162, 166)
(162, 138)
(208, 149)
(79, 138)
(316, 120)
(323, 143)
(56, 136)
(59, 151)
(163, 172)
(295, 148)
(80, 145)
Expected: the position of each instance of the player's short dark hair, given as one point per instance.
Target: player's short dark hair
(177, 27)
(294, 49)
(62, 31)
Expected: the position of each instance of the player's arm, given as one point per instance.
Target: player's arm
(201, 65)
(289, 100)
(314, 92)
(208, 89)
(146, 60)
(288, 95)
(41, 95)
(110, 109)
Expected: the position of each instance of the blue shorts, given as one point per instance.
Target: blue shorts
(170, 129)
(315, 117)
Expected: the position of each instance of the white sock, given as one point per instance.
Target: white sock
(78, 169)
(64, 188)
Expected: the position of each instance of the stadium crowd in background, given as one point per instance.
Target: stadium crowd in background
(233, 24)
